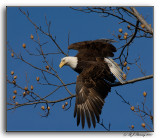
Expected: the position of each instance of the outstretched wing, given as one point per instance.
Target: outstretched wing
(91, 91)
(96, 48)
(115, 69)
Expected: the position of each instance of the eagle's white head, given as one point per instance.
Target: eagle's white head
(70, 61)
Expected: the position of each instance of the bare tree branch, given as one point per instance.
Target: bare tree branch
(133, 81)
(46, 101)
(142, 20)
(40, 29)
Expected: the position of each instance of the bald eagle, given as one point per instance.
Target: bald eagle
(96, 74)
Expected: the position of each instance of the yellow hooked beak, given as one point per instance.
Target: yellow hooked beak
(61, 64)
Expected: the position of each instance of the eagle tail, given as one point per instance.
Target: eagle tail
(115, 69)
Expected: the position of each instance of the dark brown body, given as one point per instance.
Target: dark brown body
(93, 82)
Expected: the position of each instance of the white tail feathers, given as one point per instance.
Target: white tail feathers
(115, 69)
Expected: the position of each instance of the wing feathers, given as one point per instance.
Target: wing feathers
(82, 115)
(96, 48)
(115, 69)
(75, 109)
(91, 90)
(88, 104)
(78, 115)
(87, 111)
(95, 109)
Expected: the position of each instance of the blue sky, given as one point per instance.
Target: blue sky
(81, 27)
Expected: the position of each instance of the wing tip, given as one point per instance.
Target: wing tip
(122, 81)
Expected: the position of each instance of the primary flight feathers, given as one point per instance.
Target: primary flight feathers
(96, 73)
